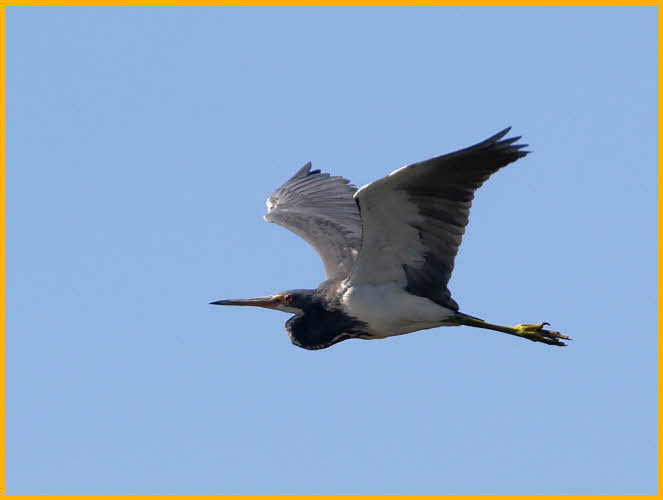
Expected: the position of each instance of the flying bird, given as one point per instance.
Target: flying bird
(388, 249)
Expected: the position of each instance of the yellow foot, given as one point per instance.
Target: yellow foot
(536, 333)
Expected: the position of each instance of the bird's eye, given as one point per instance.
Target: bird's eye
(288, 298)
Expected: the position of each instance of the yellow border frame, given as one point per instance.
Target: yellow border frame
(327, 2)
(272, 2)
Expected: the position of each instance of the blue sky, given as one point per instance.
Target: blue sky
(141, 145)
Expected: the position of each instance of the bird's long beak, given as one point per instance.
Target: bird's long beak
(270, 302)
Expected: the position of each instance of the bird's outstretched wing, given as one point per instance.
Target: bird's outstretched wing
(413, 219)
(320, 209)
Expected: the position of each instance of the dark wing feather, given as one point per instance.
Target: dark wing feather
(414, 219)
(320, 209)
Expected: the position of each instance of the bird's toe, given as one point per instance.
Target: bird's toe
(537, 333)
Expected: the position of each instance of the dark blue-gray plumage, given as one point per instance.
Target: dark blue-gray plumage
(388, 249)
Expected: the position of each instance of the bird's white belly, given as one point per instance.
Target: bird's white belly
(389, 310)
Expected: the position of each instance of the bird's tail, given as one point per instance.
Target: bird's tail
(468, 316)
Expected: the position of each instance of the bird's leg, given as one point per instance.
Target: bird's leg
(535, 333)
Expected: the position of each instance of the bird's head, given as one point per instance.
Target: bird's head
(290, 301)
(315, 324)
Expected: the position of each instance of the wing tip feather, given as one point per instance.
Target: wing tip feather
(302, 172)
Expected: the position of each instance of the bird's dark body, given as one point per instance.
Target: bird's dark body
(322, 322)
(388, 248)
(320, 327)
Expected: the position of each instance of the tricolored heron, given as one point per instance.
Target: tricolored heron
(388, 248)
